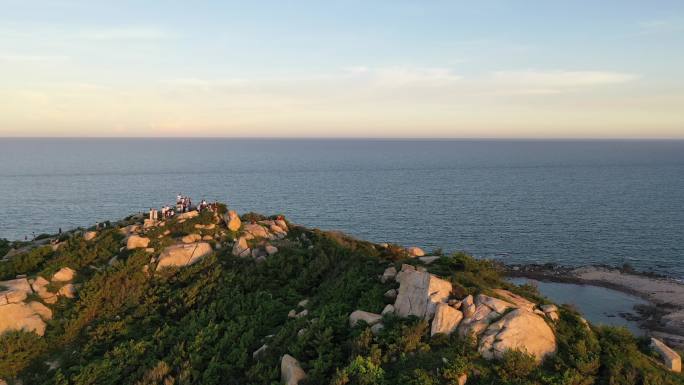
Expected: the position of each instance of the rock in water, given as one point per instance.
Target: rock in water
(290, 371)
(360, 315)
(446, 320)
(137, 242)
(184, 254)
(518, 330)
(233, 221)
(419, 293)
(64, 274)
(670, 358)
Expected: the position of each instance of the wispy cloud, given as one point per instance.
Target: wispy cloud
(548, 82)
(660, 26)
(396, 77)
(125, 33)
(31, 59)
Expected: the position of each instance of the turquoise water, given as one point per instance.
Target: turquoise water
(597, 304)
(574, 202)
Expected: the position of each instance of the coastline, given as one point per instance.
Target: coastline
(664, 318)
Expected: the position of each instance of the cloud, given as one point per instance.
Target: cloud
(659, 26)
(549, 82)
(397, 77)
(31, 59)
(125, 33)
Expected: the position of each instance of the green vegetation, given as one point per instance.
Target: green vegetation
(200, 324)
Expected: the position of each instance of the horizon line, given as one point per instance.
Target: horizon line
(388, 138)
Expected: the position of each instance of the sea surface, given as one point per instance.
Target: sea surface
(568, 202)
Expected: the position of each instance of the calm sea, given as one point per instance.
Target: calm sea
(570, 202)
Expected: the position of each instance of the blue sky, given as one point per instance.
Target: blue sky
(347, 68)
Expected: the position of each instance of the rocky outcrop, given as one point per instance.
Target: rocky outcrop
(360, 315)
(191, 238)
(15, 291)
(495, 304)
(68, 291)
(255, 230)
(233, 221)
(428, 259)
(474, 325)
(389, 274)
(415, 251)
(446, 320)
(64, 274)
(137, 242)
(39, 286)
(515, 299)
(29, 317)
(188, 215)
(468, 306)
(551, 311)
(89, 235)
(419, 293)
(518, 330)
(669, 357)
(183, 254)
(291, 373)
(240, 248)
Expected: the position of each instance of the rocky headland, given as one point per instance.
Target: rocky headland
(215, 297)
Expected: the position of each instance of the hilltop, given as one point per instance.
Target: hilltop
(213, 297)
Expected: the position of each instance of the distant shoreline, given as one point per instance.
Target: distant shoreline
(665, 317)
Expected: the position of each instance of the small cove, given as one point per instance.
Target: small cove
(597, 304)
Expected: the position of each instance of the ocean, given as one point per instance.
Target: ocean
(567, 202)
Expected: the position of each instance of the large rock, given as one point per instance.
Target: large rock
(233, 221)
(446, 320)
(419, 293)
(290, 371)
(468, 306)
(670, 358)
(191, 238)
(474, 325)
(19, 284)
(39, 286)
(360, 315)
(89, 235)
(415, 251)
(495, 304)
(182, 255)
(137, 242)
(68, 290)
(257, 231)
(389, 274)
(188, 215)
(29, 317)
(515, 299)
(518, 330)
(240, 248)
(64, 274)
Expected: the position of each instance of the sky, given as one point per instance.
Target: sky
(382, 69)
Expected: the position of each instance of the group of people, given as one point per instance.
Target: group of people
(183, 205)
